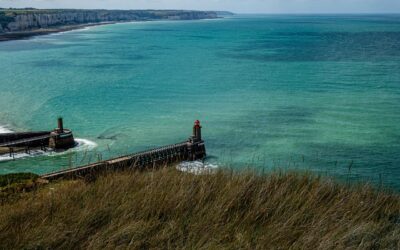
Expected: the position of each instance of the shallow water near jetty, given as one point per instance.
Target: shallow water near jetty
(319, 93)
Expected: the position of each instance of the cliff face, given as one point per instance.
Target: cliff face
(17, 20)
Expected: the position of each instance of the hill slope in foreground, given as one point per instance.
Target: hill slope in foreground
(170, 209)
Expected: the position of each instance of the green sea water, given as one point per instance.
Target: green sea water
(318, 93)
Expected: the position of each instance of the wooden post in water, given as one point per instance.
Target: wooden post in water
(12, 153)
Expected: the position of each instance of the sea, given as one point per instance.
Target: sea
(313, 93)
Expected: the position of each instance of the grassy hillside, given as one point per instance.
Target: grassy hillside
(170, 209)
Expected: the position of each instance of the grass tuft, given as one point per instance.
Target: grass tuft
(225, 210)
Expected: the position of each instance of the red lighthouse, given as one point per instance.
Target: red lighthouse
(197, 131)
(195, 145)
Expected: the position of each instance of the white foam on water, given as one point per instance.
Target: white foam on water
(197, 167)
(6, 157)
(85, 144)
(71, 31)
(82, 146)
(4, 129)
(32, 153)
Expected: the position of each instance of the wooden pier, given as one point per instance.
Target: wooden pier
(192, 149)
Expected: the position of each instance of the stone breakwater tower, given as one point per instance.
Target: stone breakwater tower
(61, 138)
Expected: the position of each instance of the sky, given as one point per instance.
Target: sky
(237, 6)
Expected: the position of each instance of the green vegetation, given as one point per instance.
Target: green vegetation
(170, 209)
(5, 18)
(18, 178)
(12, 185)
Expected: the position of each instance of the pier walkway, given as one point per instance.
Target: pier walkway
(192, 149)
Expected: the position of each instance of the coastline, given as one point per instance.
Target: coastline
(23, 35)
(40, 32)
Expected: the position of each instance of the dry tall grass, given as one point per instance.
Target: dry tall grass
(168, 209)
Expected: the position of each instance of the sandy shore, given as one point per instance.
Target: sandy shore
(27, 34)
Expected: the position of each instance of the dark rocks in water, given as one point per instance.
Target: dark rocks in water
(110, 136)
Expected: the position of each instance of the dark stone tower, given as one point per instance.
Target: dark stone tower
(61, 138)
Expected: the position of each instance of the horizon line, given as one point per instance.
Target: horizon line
(233, 12)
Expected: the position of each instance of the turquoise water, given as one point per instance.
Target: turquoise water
(320, 93)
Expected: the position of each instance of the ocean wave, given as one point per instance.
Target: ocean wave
(197, 167)
(71, 31)
(82, 145)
